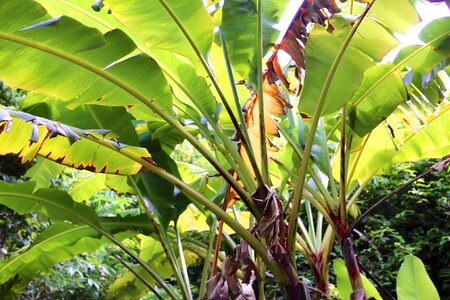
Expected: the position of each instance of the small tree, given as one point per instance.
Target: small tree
(308, 133)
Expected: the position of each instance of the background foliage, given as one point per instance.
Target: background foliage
(415, 222)
(109, 61)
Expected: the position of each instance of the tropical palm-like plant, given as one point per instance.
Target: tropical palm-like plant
(307, 131)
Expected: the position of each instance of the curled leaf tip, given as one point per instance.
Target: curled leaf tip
(51, 22)
(98, 5)
(34, 134)
(102, 132)
(5, 121)
(115, 143)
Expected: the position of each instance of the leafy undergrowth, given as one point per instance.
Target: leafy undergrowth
(414, 222)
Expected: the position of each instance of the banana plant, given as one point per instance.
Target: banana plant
(275, 132)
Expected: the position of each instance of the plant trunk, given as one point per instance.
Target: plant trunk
(322, 283)
(352, 268)
(299, 291)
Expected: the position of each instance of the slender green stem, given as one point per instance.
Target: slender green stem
(245, 139)
(306, 235)
(343, 171)
(225, 147)
(309, 188)
(303, 247)
(356, 194)
(138, 276)
(309, 143)
(315, 198)
(199, 250)
(319, 228)
(204, 64)
(231, 243)
(199, 199)
(298, 151)
(183, 264)
(146, 267)
(260, 92)
(162, 237)
(311, 227)
(208, 258)
(319, 206)
(326, 248)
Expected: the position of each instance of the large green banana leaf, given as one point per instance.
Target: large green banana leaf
(61, 241)
(56, 204)
(321, 50)
(59, 206)
(99, 116)
(166, 201)
(182, 76)
(187, 85)
(396, 16)
(146, 17)
(387, 145)
(374, 101)
(239, 19)
(367, 45)
(43, 172)
(435, 50)
(67, 60)
(379, 151)
(27, 136)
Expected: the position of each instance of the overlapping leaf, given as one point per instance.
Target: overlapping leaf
(67, 60)
(344, 286)
(239, 27)
(166, 201)
(27, 136)
(146, 17)
(373, 105)
(170, 56)
(424, 58)
(59, 242)
(128, 287)
(59, 206)
(99, 116)
(56, 204)
(364, 48)
(321, 50)
(379, 151)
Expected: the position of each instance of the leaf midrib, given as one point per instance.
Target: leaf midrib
(66, 232)
(40, 244)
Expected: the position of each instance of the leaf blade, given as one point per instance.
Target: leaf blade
(413, 282)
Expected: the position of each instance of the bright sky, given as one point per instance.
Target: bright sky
(427, 11)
